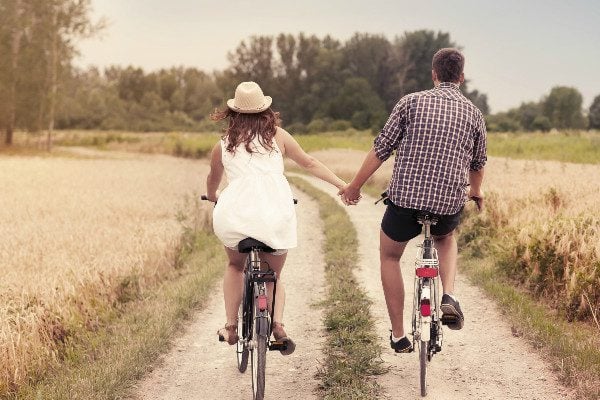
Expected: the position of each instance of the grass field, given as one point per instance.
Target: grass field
(78, 239)
(85, 232)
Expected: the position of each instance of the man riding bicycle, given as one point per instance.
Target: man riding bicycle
(440, 142)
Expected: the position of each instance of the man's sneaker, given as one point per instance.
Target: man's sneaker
(401, 346)
(452, 315)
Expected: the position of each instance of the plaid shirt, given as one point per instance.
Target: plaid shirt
(438, 135)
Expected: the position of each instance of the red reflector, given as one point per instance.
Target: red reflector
(425, 308)
(262, 302)
(427, 272)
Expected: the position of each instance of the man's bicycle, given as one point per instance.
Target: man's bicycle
(255, 324)
(426, 321)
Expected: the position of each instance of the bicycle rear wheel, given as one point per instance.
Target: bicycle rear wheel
(423, 361)
(259, 359)
(245, 315)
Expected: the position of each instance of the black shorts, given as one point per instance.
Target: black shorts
(401, 225)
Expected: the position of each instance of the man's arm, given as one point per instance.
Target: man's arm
(475, 193)
(383, 146)
(351, 192)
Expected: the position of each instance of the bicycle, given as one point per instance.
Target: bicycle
(427, 331)
(256, 325)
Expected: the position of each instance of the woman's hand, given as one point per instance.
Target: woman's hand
(350, 195)
(213, 196)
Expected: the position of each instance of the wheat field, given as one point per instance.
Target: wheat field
(77, 237)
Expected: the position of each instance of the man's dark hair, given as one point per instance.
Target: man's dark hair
(448, 64)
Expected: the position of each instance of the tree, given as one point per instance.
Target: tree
(594, 115)
(563, 108)
(357, 101)
(38, 36)
(12, 24)
(411, 62)
(368, 56)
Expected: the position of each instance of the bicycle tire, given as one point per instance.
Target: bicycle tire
(259, 360)
(423, 363)
(245, 327)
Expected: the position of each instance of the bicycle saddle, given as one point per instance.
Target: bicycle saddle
(427, 216)
(246, 246)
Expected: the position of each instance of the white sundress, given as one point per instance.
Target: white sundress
(257, 201)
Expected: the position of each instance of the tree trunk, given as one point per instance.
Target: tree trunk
(53, 78)
(12, 91)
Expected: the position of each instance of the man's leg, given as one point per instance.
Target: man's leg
(447, 250)
(448, 253)
(390, 252)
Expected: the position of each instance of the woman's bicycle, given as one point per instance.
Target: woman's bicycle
(426, 321)
(255, 324)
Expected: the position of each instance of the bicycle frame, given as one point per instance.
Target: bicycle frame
(257, 323)
(426, 324)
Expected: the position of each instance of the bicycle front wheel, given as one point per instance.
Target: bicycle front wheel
(259, 360)
(423, 362)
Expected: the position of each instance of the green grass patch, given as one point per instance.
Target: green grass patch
(352, 352)
(104, 364)
(188, 145)
(575, 147)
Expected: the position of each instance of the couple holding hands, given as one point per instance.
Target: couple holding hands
(439, 138)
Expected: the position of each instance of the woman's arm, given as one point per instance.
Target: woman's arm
(351, 192)
(213, 180)
(292, 149)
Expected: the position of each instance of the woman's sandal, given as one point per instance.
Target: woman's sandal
(228, 334)
(280, 336)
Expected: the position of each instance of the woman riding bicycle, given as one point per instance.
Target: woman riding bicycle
(257, 201)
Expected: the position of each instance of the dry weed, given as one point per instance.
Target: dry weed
(79, 237)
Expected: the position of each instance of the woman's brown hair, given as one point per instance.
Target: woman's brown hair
(243, 128)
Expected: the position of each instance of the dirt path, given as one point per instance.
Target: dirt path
(481, 361)
(200, 368)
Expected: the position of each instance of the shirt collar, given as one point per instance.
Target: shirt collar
(447, 85)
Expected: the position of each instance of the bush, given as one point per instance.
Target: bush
(340, 125)
(297, 128)
(317, 126)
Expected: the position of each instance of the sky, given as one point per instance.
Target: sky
(515, 50)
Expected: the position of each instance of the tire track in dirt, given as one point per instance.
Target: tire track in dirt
(481, 361)
(199, 367)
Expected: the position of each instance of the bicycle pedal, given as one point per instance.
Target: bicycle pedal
(449, 319)
(277, 346)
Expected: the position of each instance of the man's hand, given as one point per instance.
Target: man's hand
(350, 195)
(477, 197)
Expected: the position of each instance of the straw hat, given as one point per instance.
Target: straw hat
(249, 99)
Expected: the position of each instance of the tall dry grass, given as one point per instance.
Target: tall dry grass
(542, 219)
(79, 238)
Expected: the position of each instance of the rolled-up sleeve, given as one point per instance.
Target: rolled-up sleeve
(389, 137)
(479, 145)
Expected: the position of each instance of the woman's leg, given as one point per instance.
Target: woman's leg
(276, 264)
(233, 284)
